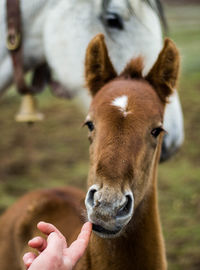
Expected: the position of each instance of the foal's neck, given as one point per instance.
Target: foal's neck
(141, 247)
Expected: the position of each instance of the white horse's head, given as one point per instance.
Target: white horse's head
(60, 31)
(131, 28)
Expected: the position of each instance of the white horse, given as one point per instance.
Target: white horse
(58, 32)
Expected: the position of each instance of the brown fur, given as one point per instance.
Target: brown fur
(98, 69)
(62, 207)
(123, 154)
(133, 69)
(163, 76)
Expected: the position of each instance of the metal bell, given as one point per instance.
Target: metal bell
(28, 112)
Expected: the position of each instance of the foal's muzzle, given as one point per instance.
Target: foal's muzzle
(108, 210)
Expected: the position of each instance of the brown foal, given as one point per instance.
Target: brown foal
(125, 131)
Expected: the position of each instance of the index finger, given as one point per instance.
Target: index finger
(77, 248)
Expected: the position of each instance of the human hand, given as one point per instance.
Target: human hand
(55, 255)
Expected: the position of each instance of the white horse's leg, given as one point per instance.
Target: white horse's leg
(5, 61)
(6, 71)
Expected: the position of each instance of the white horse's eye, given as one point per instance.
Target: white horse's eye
(113, 20)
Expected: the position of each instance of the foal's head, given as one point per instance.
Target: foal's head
(125, 130)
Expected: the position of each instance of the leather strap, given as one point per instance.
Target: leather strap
(14, 43)
(13, 25)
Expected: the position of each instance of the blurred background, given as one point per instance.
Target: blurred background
(55, 151)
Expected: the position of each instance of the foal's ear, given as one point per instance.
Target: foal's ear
(98, 67)
(164, 74)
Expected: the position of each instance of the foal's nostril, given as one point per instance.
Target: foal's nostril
(126, 208)
(90, 197)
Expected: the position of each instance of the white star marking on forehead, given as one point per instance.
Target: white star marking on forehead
(121, 103)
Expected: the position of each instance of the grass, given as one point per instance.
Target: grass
(55, 152)
(51, 153)
(179, 183)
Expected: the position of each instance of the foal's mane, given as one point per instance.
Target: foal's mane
(133, 69)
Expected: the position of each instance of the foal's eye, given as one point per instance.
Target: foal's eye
(90, 125)
(113, 20)
(156, 131)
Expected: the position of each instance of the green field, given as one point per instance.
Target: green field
(55, 152)
(179, 179)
